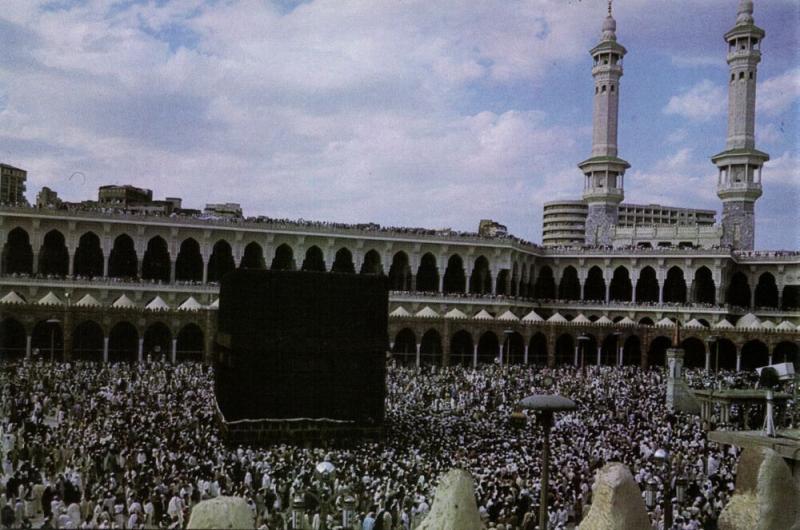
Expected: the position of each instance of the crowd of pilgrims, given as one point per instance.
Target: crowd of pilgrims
(87, 445)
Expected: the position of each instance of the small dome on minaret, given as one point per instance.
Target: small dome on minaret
(610, 25)
(745, 13)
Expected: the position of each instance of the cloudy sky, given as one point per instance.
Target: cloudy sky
(402, 112)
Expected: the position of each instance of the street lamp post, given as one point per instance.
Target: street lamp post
(507, 332)
(545, 406)
(53, 322)
(663, 459)
(618, 336)
(298, 513)
(348, 511)
(712, 341)
(583, 338)
(326, 473)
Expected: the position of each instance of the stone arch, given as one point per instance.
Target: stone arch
(726, 351)
(157, 342)
(787, 352)
(766, 294)
(705, 290)
(657, 354)
(480, 281)
(754, 354)
(18, 253)
(694, 355)
(13, 340)
(565, 350)
(430, 350)
(87, 341)
(88, 259)
(488, 348)
(595, 286)
(647, 286)
(587, 349)
(400, 272)
(190, 344)
(545, 285)
(53, 255)
(156, 263)
(632, 351)
(608, 349)
(500, 284)
(122, 261)
(791, 297)
(514, 347)
(461, 348)
(514, 281)
(221, 261)
(372, 263)
(427, 274)
(646, 321)
(569, 288)
(621, 288)
(537, 350)
(253, 257)
(738, 292)
(404, 349)
(314, 260)
(48, 338)
(454, 277)
(189, 263)
(343, 262)
(123, 343)
(675, 286)
(284, 259)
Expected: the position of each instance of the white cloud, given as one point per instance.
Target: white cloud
(777, 94)
(682, 178)
(702, 102)
(784, 169)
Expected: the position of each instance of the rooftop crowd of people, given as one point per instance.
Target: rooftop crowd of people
(135, 446)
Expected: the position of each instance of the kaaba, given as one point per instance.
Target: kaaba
(300, 355)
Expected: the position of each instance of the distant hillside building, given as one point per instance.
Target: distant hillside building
(123, 196)
(489, 228)
(226, 209)
(12, 185)
(47, 198)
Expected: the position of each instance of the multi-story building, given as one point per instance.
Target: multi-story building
(564, 224)
(104, 284)
(12, 185)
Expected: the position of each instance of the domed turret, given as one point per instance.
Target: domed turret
(745, 13)
(610, 26)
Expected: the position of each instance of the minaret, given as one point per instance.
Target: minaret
(739, 178)
(604, 171)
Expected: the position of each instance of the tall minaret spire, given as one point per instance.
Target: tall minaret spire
(739, 166)
(604, 170)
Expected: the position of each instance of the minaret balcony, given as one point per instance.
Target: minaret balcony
(607, 69)
(612, 195)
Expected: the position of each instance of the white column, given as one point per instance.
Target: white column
(608, 291)
(661, 291)
(419, 349)
(770, 359)
(105, 349)
(708, 361)
(620, 354)
(174, 350)
(525, 355)
(141, 350)
(28, 340)
(575, 362)
(503, 349)
(599, 352)
(475, 356)
(738, 361)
